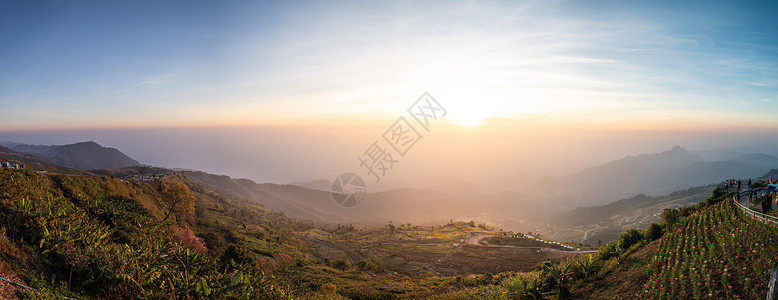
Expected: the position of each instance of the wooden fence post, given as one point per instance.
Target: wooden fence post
(772, 294)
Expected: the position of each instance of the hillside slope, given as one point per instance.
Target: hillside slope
(418, 206)
(105, 238)
(604, 223)
(715, 252)
(83, 156)
(96, 237)
(35, 163)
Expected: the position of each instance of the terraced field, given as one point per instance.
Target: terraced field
(716, 253)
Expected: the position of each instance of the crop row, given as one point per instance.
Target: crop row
(715, 253)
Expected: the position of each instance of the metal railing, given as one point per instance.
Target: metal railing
(757, 215)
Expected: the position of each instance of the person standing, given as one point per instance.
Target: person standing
(765, 205)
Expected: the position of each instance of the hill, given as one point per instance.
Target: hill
(34, 163)
(91, 237)
(713, 250)
(319, 184)
(418, 206)
(596, 224)
(710, 250)
(652, 174)
(83, 156)
(98, 236)
(758, 159)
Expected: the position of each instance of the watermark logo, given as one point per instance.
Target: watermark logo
(348, 189)
(382, 155)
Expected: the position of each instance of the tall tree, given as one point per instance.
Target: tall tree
(142, 171)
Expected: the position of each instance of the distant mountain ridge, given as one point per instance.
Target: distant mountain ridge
(418, 206)
(83, 155)
(653, 174)
(35, 163)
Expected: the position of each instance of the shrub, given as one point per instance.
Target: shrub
(670, 217)
(267, 264)
(188, 239)
(341, 264)
(369, 265)
(654, 232)
(629, 238)
(687, 211)
(284, 260)
(609, 250)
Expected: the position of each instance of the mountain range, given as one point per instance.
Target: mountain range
(82, 156)
(651, 174)
(418, 206)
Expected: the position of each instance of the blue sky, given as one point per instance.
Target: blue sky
(192, 63)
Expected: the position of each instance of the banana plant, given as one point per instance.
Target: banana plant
(560, 275)
(586, 266)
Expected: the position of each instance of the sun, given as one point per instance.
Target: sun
(469, 117)
(469, 121)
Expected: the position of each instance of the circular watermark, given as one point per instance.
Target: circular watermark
(348, 189)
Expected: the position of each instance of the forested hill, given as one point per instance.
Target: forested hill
(83, 155)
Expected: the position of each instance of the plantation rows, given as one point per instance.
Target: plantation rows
(717, 252)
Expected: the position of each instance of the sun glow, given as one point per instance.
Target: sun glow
(469, 120)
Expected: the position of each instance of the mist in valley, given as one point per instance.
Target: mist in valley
(505, 173)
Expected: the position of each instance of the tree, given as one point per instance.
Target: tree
(670, 217)
(653, 232)
(178, 198)
(142, 171)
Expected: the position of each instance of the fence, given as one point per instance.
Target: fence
(757, 215)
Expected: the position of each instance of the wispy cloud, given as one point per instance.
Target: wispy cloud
(502, 58)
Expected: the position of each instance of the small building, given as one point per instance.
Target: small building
(6, 165)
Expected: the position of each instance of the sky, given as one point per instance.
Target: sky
(130, 64)
(282, 91)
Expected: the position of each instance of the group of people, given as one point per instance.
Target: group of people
(732, 183)
(766, 197)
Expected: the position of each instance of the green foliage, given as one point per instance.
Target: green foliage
(630, 237)
(586, 267)
(341, 264)
(654, 232)
(559, 277)
(356, 293)
(670, 217)
(717, 197)
(524, 287)
(370, 266)
(87, 233)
